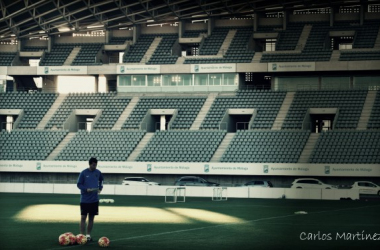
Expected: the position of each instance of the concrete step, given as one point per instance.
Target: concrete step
(257, 57)
(203, 112)
(303, 37)
(51, 111)
(308, 149)
(222, 147)
(72, 56)
(367, 110)
(136, 152)
(153, 46)
(226, 43)
(60, 146)
(280, 118)
(127, 111)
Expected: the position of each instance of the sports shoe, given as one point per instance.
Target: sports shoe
(89, 238)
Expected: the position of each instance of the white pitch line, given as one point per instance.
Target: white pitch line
(221, 225)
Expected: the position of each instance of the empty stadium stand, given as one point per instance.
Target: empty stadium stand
(137, 51)
(193, 33)
(106, 145)
(6, 58)
(287, 39)
(349, 103)
(163, 52)
(34, 48)
(119, 40)
(58, 55)
(110, 105)
(212, 43)
(355, 147)
(26, 145)
(266, 102)
(359, 55)
(182, 146)
(34, 105)
(237, 52)
(87, 54)
(188, 109)
(374, 119)
(266, 146)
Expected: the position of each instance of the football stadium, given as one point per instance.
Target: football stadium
(217, 124)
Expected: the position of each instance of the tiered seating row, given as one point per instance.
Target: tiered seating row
(34, 48)
(188, 109)
(359, 55)
(136, 52)
(213, 43)
(267, 103)
(105, 145)
(349, 103)
(35, 106)
(268, 146)
(182, 146)
(163, 54)
(58, 55)
(193, 33)
(237, 52)
(374, 119)
(119, 40)
(288, 38)
(6, 58)
(29, 144)
(347, 147)
(87, 54)
(111, 107)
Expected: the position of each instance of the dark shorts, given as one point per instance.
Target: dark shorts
(89, 208)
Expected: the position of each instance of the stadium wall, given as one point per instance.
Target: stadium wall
(231, 192)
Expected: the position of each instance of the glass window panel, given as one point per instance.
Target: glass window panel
(154, 80)
(215, 79)
(230, 79)
(335, 82)
(138, 80)
(125, 81)
(200, 79)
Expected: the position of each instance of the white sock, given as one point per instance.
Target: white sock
(87, 235)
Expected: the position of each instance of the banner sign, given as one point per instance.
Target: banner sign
(186, 168)
(62, 70)
(291, 66)
(138, 69)
(213, 68)
(3, 70)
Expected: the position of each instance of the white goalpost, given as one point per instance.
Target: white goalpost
(219, 194)
(174, 195)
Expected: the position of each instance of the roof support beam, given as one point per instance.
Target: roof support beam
(25, 9)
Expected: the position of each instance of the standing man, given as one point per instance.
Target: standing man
(90, 183)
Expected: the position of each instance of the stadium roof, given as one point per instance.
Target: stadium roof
(28, 18)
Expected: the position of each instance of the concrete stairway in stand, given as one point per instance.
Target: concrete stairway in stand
(203, 112)
(136, 152)
(60, 146)
(222, 147)
(367, 110)
(308, 149)
(72, 56)
(127, 111)
(283, 111)
(51, 111)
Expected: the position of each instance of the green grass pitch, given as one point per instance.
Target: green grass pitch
(34, 221)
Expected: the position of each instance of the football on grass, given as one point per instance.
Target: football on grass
(104, 242)
(64, 240)
(72, 238)
(81, 239)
